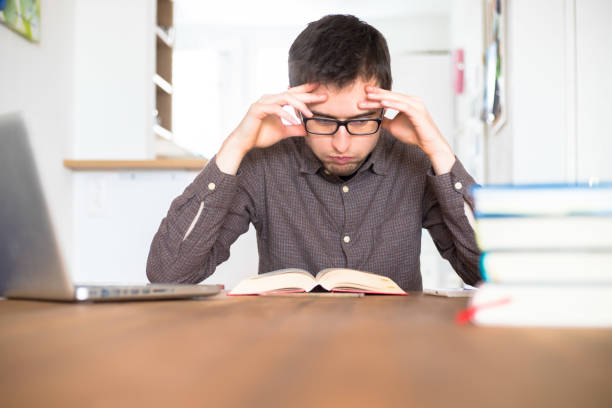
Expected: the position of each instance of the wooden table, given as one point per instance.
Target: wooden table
(291, 352)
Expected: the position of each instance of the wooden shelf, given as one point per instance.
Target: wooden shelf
(162, 79)
(154, 164)
(162, 132)
(164, 61)
(165, 13)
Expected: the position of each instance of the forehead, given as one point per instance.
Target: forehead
(342, 102)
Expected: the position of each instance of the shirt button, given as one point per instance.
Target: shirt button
(326, 172)
(211, 186)
(458, 185)
(347, 239)
(345, 189)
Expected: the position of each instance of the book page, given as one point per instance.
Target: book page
(283, 272)
(290, 279)
(350, 279)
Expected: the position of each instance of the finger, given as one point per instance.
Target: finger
(377, 96)
(369, 105)
(287, 99)
(310, 97)
(297, 104)
(380, 91)
(376, 89)
(277, 110)
(398, 106)
(413, 101)
(308, 87)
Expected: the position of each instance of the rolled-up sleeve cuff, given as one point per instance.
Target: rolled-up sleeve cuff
(452, 189)
(214, 187)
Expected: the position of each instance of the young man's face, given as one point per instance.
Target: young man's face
(343, 153)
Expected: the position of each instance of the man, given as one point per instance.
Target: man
(343, 186)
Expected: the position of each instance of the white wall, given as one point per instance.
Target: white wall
(113, 70)
(37, 80)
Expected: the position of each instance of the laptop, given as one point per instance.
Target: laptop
(31, 264)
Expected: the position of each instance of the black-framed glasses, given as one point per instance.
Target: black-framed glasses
(328, 126)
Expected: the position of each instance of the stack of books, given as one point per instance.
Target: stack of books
(547, 256)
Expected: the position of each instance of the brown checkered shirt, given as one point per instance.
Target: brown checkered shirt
(306, 218)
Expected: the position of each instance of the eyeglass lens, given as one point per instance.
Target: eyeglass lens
(330, 126)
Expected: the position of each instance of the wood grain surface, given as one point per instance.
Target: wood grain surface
(154, 164)
(297, 352)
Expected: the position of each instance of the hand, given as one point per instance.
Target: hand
(412, 125)
(262, 125)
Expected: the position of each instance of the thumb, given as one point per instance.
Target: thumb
(386, 123)
(295, 130)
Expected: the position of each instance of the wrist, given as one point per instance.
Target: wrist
(237, 144)
(442, 161)
(230, 155)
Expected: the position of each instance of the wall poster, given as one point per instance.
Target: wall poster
(23, 16)
(494, 102)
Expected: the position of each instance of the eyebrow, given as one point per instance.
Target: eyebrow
(361, 115)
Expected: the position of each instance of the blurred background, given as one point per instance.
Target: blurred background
(521, 89)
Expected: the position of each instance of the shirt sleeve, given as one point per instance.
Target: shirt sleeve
(200, 226)
(444, 215)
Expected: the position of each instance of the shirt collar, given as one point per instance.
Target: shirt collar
(309, 163)
(378, 158)
(377, 161)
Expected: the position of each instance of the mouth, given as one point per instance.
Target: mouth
(340, 159)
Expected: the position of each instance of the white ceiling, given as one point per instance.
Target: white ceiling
(281, 13)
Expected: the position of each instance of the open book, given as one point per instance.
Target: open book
(332, 279)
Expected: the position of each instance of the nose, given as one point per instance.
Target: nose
(341, 140)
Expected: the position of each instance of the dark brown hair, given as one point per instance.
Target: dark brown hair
(337, 50)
